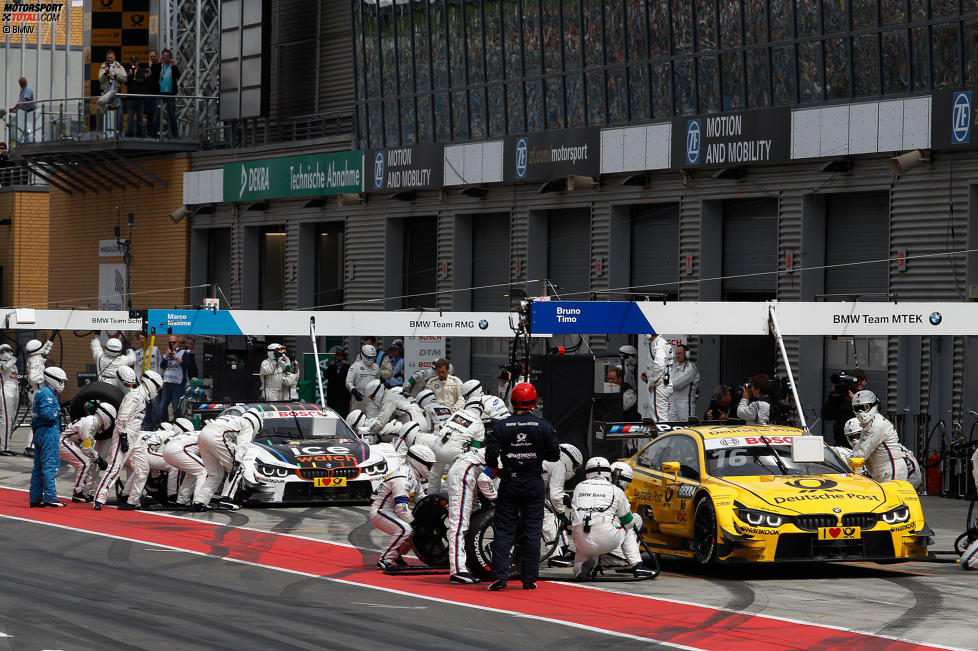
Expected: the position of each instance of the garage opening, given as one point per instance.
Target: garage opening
(654, 256)
(490, 277)
(420, 269)
(271, 268)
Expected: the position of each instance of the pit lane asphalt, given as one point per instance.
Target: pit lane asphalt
(924, 602)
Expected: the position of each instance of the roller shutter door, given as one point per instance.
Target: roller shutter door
(569, 252)
(857, 229)
(490, 266)
(750, 246)
(655, 249)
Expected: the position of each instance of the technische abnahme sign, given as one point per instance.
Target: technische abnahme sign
(294, 176)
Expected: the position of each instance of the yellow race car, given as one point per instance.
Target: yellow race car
(734, 493)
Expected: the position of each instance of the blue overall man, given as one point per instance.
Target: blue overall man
(47, 438)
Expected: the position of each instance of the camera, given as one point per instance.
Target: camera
(844, 379)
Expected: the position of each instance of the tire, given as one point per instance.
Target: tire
(964, 541)
(430, 541)
(705, 533)
(477, 541)
(96, 391)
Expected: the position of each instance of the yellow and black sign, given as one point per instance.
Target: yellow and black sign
(119, 25)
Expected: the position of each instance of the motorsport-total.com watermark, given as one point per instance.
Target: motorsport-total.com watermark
(23, 17)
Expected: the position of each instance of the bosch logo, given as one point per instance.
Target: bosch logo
(379, 170)
(935, 318)
(483, 324)
(961, 118)
(694, 140)
(521, 153)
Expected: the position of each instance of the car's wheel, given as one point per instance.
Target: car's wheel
(430, 541)
(477, 546)
(95, 392)
(964, 541)
(705, 532)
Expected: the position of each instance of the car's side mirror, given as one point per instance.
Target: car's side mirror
(671, 467)
(856, 462)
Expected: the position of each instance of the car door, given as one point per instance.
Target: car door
(646, 490)
(675, 513)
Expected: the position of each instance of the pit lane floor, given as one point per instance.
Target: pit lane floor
(929, 603)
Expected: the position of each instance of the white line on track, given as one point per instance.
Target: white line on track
(364, 603)
(370, 587)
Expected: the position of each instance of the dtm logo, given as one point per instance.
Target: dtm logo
(693, 142)
(521, 148)
(379, 170)
(961, 118)
(936, 318)
(483, 324)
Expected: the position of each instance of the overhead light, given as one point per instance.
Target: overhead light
(177, 215)
(206, 209)
(905, 162)
(730, 173)
(349, 199)
(551, 186)
(637, 179)
(577, 182)
(474, 192)
(258, 206)
(837, 166)
(318, 202)
(405, 195)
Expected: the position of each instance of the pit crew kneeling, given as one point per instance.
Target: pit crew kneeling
(391, 509)
(603, 523)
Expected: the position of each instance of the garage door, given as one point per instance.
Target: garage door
(569, 251)
(655, 249)
(490, 266)
(750, 247)
(857, 229)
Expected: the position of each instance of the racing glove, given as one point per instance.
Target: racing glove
(235, 467)
(124, 442)
(356, 394)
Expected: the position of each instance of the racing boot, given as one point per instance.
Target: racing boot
(197, 507)
(463, 578)
(126, 506)
(587, 569)
(566, 559)
(639, 571)
(384, 564)
(497, 585)
(80, 497)
(97, 506)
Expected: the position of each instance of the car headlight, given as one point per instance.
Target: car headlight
(272, 471)
(379, 468)
(760, 518)
(897, 515)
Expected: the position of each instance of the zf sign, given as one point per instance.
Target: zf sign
(961, 118)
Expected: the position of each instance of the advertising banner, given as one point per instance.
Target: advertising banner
(553, 155)
(952, 118)
(294, 176)
(418, 167)
(111, 286)
(618, 318)
(421, 352)
(732, 139)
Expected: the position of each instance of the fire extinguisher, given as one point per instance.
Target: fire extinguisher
(934, 479)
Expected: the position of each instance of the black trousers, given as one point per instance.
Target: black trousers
(520, 502)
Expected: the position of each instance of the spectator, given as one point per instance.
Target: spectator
(4, 155)
(166, 74)
(138, 84)
(152, 88)
(337, 395)
(25, 104)
(140, 352)
(190, 358)
(10, 172)
(629, 399)
(447, 388)
(754, 407)
(838, 407)
(111, 77)
(721, 405)
(174, 380)
(397, 364)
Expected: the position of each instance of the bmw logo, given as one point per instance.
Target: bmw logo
(379, 170)
(936, 318)
(694, 138)
(837, 510)
(521, 154)
(483, 324)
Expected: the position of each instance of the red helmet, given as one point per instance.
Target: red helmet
(524, 396)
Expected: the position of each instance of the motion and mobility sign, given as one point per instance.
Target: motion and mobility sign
(553, 155)
(398, 169)
(732, 139)
(314, 175)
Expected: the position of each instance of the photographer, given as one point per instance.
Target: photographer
(721, 405)
(838, 407)
(138, 84)
(112, 75)
(174, 380)
(754, 407)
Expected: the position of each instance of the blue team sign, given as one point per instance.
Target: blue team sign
(961, 118)
(583, 317)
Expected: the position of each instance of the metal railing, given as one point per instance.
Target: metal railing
(116, 117)
(253, 132)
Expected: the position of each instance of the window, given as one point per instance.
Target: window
(684, 450)
(271, 267)
(329, 266)
(651, 456)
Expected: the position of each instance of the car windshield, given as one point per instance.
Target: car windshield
(305, 428)
(748, 460)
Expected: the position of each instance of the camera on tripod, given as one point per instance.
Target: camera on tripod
(844, 379)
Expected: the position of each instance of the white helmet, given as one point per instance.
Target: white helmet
(55, 378)
(425, 396)
(375, 390)
(621, 474)
(105, 413)
(409, 433)
(274, 350)
(572, 458)
(368, 352)
(471, 389)
(627, 351)
(475, 405)
(183, 425)
(6, 351)
(152, 382)
(421, 459)
(355, 419)
(126, 376)
(33, 346)
(254, 417)
(397, 391)
(853, 430)
(865, 405)
(113, 346)
(596, 466)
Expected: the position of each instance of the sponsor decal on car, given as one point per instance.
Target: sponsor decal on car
(756, 532)
(826, 496)
(747, 441)
(904, 527)
(687, 490)
(839, 533)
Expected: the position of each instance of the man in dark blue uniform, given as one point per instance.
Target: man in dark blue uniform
(522, 443)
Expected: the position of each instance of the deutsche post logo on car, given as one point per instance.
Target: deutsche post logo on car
(813, 485)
